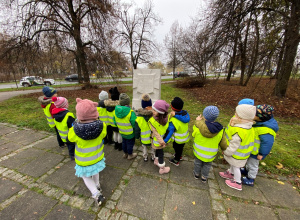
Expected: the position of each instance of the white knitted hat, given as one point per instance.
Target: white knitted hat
(246, 112)
(103, 95)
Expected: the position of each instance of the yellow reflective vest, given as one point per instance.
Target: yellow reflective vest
(88, 152)
(161, 129)
(145, 130)
(260, 131)
(247, 143)
(181, 134)
(110, 118)
(49, 116)
(62, 126)
(124, 124)
(103, 116)
(206, 149)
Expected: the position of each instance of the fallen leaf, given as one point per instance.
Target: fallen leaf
(194, 203)
(35, 213)
(298, 141)
(59, 210)
(228, 210)
(256, 203)
(280, 182)
(57, 167)
(160, 180)
(175, 208)
(246, 202)
(228, 199)
(221, 157)
(294, 187)
(279, 166)
(263, 163)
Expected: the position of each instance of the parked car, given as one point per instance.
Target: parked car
(181, 74)
(27, 81)
(72, 77)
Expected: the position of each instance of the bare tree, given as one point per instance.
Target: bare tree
(135, 32)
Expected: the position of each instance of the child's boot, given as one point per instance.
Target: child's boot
(156, 161)
(99, 199)
(244, 171)
(131, 156)
(247, 181)
(120, 146)
(163, 169)
(116, 146)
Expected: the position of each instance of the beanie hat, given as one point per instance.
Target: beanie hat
(48, 91)
(146, 101)
(103, 95)
(210, 113)
(246, 102)
(264, 112)
(161, 106)
(114, 93)
(60, 102)
(86, 110)
(124, 99)
(177, 104)
(245, 111)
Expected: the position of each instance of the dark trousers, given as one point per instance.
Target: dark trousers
(160, 154)
(127, 145)
(178, 148)
(59, 140)
(71, 148)
(109, 133)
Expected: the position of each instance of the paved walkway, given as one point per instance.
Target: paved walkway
(37, 181)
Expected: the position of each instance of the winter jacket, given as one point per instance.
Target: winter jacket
(46, 101)
(182, 116)
(122, 112)
(146, 114)
(266, 140)
(88, 131)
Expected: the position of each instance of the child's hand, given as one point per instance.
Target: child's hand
(199, 118)
(259, 157)
(172, 113)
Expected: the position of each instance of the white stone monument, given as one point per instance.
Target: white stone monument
(145, 81)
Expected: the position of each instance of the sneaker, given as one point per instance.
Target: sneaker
(234, 185)
(180, 157)
(131, 156)
(72, 157)
(125, 155)
(145, 159)
(120, 148)
(152, 158)
(226, 175)
(195, 176)
(247, 181)
(203, 179)
(173, 161)
(99, 188)
(116, 146)
(99, 199)
(61, 146)
(244, 171)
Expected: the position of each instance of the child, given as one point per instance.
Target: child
(240, 140)
(142, 129)
(265, 130)
(110, 109)
(208, 135)
(88, 133)
(63, 120)
(159, 124)
(246, 101)
(178, 129)
(103, 95)
(124, 118)
(48, 105)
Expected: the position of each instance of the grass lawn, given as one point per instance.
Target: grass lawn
(25, 111)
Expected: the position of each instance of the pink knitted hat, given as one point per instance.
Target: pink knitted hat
(86, 109)
(161, 106)
(60, 102)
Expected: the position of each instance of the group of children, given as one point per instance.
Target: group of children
(246, 140)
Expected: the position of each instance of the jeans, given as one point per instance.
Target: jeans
(203, 167)
(252, 167)
(127, 145)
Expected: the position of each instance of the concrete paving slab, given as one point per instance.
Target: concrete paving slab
(288, 214)
(150, 169)
(183, 174)
(66, 212)
(237, 210)
(249, 193)
(6, 129)
(116, 159)
(8, 148)
(278, 194)
(109, 179)
(2, 141)
(29, 206)
(144, 197)
(52, 145)
(25, 137)
(8, 188)
(187, 203)
(108, 149)
(64, 177)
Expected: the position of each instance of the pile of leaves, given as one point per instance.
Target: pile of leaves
(190, 82)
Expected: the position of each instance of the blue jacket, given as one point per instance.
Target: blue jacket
(182, 116)
(266, 140)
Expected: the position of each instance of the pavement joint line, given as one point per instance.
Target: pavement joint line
(7, 202)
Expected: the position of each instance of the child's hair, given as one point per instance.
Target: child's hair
(162, 118)
(161, 107)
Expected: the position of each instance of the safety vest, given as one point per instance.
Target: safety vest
(206, 149)
(124, 124)
(260, 131)
(103, 115)
(247, 143)
(145, 130)
(62, 127)
(49, 116)
(161, 129)
(110, 118)
(88, 152)
(181, 134)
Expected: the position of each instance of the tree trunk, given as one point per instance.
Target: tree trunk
(290, 52)
(232, 60)
(78, 66)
